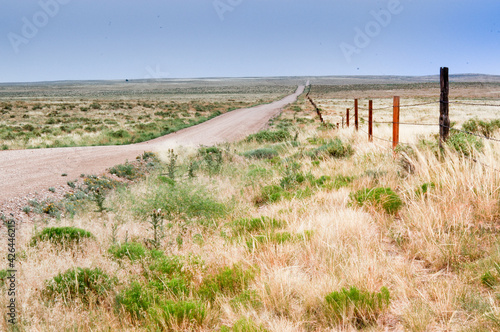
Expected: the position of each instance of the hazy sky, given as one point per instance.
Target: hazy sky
(118, 39)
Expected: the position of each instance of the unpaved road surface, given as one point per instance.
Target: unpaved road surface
(23, 172)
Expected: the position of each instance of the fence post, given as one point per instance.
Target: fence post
(370, 120)
(444, 119)
(395, 123)
(347, 118)
(342, 122)
(356, 114)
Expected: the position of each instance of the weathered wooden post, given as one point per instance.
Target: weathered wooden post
(395, 123)
(370, 120)
(347, 118)
(444, 119)
(356, 123)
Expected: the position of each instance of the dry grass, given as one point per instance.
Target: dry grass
(431, 255)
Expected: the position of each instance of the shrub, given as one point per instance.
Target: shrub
(170, 266)
(127, 171)
(61, 235)
(227, 281)
(131, 250)
(271, 194)
(184, 200)
(385, 198)
(464, 143)
(262, 153)
(342, 181)
(357, 307)
(269, 136)
(481, 127)
(335, 149)
(89, 285)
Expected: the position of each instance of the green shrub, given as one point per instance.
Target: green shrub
(61, 235)
(342, 181)
(90, 285)
(481, 127)
(271, 194)
(212, 158)
(385, 198)
(464, 143)
(357, 307)
(269, 136)
(227, 281)
(170, 266)
(261, 153)
(137, 299)
(131, 250)
(336, 149)
(127, 171)
(184, 200)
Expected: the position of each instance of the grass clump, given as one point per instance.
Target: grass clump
(242, 226)
(88, 285)
(354, 306)
(244, 325)
(384, 198)
(61, 235)
(131, 250)
(226, 281)
(261, 153)
(481, 127)
(335, 149)
(269, 136)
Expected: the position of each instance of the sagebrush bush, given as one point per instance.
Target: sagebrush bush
(384, 198)
(89, 285)
(61, 235)
(464, 143)
(357, 307)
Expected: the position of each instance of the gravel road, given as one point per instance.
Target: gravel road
(23, 172)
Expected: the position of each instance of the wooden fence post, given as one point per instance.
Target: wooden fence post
(342, 122)
(347, 118)
(444, 119)
(356, 123)
(395, 123)
(370, 120)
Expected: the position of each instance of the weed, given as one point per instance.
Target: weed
(157, 227)
(27, 209)
(61, 235)
(212, 157)
(52, 189)
(385, 198)
(355, 306)
(131, 250)
(171, 165)
(89, 285)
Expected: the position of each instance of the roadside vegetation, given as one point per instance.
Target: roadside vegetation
(294, 228)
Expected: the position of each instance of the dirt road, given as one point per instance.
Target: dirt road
(26, 171)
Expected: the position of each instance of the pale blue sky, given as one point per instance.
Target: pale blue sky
(49, 40)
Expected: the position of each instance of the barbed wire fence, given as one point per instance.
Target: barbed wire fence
(396, 123)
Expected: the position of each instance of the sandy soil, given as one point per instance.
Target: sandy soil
(24, 172)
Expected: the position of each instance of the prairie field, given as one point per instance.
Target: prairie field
(299, 227)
